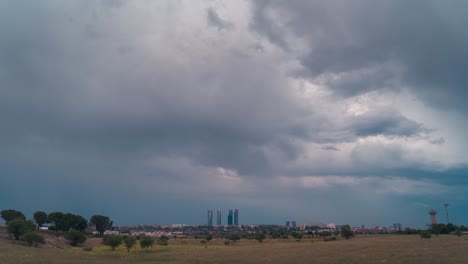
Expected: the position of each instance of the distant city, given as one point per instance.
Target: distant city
(228, 221)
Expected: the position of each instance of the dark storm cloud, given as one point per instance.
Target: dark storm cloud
(128, 102)
(386, 124)
(425, 39)
(59, 95)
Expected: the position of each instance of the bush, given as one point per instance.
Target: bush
(163, 240)
(329, 239)
(33, 237)
(146, 242)
(234, 237)
(75, 237)
(129, 242)
(260, 237)
(425, 234)
(346, 232)
(113, 241)
(203, 241)
(227, 243)
(18, 227)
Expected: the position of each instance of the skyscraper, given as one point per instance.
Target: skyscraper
(230, 216)
(236, 217)
(210, 217)
(218, 217)
(293, 223)
(287, 224)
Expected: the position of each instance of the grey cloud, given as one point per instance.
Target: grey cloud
(330, 148)
(386, 124)
(424, 39)
(216, 21)
(90, 93)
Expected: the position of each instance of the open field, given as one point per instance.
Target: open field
(362, 249)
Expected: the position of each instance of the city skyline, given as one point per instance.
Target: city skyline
(315, 111)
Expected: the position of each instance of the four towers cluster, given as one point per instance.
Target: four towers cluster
(232, 219)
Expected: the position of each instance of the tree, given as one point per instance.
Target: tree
(102, 223)
(129, 242)
(346, 232)
(32, 237)
(260, 236)
(65, 222)
(75, 237)
(18, 227)
(208, 238)
(40, 218)
(234, 237)
(113, 241)
(58, 220)
(425, 234)
(10, 215)
(299, 236)
(146, 242)
(163, 240)
(75, 222)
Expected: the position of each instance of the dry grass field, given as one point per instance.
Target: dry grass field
(361, 249)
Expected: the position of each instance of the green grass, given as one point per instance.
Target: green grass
(362, 249)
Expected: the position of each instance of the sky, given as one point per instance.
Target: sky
(346, 112)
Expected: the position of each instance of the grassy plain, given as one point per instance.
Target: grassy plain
(361, 249)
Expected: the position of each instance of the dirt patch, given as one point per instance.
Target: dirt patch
(92, 242)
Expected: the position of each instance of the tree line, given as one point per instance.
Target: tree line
(73, 226)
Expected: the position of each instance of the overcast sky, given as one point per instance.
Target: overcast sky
(156, 111)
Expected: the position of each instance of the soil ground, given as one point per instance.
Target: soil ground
(360, 249)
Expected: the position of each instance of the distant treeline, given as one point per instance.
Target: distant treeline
(60, 221)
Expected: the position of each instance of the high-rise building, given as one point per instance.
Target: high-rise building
(293, 223)
(218, 217)
(287, 224)
(210, 217)
(236, 217)
(230, 216)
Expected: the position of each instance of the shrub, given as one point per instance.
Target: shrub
(425, 234)
(163, 240)
(234, 237)
(113, 241)
(33, 237)
(260, 237)
(346, 232)
(227, 243)
(146, 242)
(329, 238)
(203, 241)
(19, 227)
(129, 242)
(75, 237)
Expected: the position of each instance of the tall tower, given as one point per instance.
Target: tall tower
(433, 216)
(230, 216)
(446, 212)
(236, 217)
(218, 217)
(210, 217)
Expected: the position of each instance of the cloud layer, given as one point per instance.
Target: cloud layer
(285, 110)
